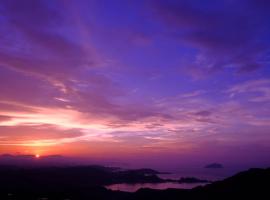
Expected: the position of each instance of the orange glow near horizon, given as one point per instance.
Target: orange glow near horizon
(37, 155)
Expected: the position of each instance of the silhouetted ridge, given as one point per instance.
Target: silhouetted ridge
(82, 183)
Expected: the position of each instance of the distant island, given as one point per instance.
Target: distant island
(214, 166)
(192, 180)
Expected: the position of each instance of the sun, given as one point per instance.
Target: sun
(37, 155)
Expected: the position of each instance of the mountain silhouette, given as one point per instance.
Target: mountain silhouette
(83, 183)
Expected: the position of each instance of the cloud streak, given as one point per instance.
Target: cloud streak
(225, 34)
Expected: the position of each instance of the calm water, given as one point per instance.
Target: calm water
(208, 174)
(161, 186)
(202, 173)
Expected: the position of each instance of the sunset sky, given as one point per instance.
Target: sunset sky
(153, 80)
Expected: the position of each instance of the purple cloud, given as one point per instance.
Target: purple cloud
(224, 34)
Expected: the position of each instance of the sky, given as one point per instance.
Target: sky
(145, 81)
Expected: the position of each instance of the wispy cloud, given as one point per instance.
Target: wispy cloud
(256, 90)
(223, 35)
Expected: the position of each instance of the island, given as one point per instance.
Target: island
(214, 166)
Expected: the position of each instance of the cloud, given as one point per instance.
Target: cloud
(4, 118)
(25, 89)
(44, 64)
(38, 44)
(255, 90)
(226, 34)
(42, 132)
(203, 113)
(37, 135)
(193, 94)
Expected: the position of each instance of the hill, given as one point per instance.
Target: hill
(83, 183)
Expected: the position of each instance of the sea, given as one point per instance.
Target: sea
(200, 173)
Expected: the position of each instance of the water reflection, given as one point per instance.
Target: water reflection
(161, 186)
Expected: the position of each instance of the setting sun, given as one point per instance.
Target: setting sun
(37, 155)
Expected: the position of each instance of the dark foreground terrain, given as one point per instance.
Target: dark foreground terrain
(82, 183)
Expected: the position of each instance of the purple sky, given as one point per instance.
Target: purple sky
(144, 81)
